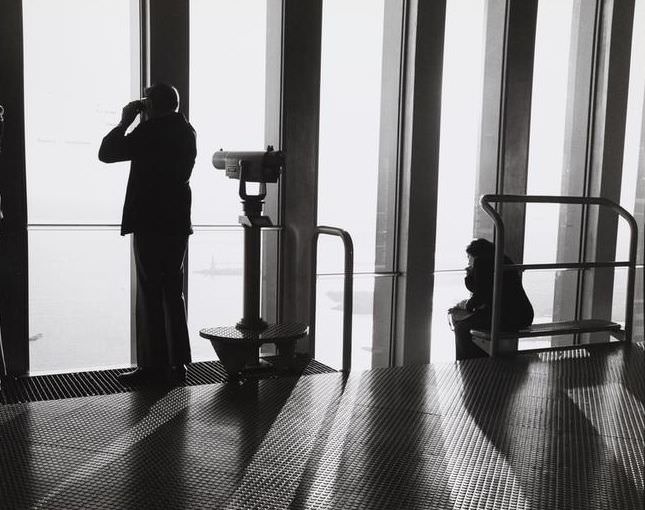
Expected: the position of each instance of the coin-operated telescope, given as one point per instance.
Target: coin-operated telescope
(256, 166)
(237, 347)
(252, 166)
(261, 167)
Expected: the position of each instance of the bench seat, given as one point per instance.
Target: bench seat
(508, 339)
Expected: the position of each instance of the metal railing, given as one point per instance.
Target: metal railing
(348, 292)
(499, 266)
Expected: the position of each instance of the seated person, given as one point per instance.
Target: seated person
(475, 313)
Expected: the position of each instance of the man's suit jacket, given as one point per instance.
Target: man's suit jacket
(158, 196)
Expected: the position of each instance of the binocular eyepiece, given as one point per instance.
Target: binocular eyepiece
(252, 166)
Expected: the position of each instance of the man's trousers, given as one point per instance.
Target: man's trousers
(161, 329)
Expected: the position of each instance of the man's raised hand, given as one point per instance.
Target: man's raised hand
(129, 113)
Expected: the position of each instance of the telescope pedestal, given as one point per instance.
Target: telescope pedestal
(238, 349)
(238, 346)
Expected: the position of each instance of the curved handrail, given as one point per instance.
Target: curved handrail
(485, 202)
(348, 292)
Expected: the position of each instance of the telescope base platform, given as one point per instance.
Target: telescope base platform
(238, 349)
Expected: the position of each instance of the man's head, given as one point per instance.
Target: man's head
(161, 99)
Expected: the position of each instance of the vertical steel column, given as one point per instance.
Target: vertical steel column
(14, 283)
(139, 37)
(578, 128)
(251, 292)
(516, 118)
(488, 161)
(272, 136)
(165, 58)
(419, 146)
(388, 183)
(168, 52)
(506, 116)
(299, 123)
(606, 157)
(252, 260)
(639, 215)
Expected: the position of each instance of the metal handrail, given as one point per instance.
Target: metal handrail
(485, 202)
(348, 292)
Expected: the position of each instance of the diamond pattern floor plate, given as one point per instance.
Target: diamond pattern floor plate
(539, 431)
(106, 382)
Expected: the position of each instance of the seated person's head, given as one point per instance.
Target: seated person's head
(480, 248)
(161, 99)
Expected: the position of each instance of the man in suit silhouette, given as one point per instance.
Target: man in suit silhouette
(157, 212)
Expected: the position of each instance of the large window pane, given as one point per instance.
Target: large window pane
(81, 67)
(81, 64)
(216, 282)
(329, 321)
(227, 101)
(633, 155)
(461, 108)
(620, 295)
(227, 97)
(632, 195)
(79, 299)
(539, 288)
(552, 90)
(547, 132)
(348, 176)
(448, 289)
(548, 115)
(350, 98)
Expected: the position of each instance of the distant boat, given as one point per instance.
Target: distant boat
(213, 270)
(35, 337)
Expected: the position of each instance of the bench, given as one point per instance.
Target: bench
(508, 340)
(495, 342)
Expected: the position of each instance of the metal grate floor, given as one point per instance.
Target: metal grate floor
(541, 431)
(105, 382)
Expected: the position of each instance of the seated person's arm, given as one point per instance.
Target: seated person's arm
(481, 285)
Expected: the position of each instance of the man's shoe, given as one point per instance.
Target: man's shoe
(177, 374)
(137, 376)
